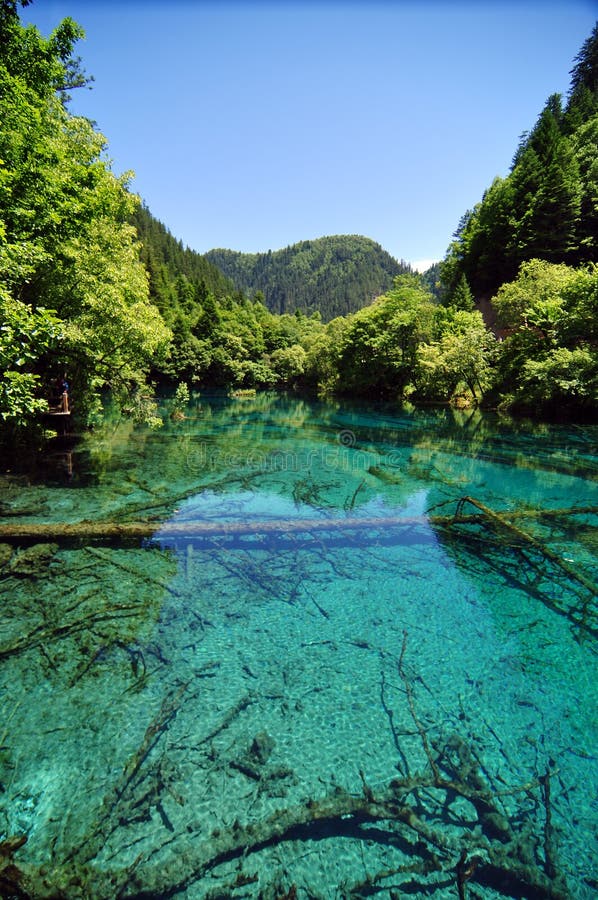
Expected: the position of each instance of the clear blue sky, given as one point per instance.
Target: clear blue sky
(253, 125)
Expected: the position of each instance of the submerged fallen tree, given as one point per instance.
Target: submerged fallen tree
(448, 825)
(485, 530)
(110, 530)
(507, 867)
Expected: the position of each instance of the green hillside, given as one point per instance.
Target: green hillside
(177, 274)
(547, 207)
(333, 275)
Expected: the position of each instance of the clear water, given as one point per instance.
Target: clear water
(159, 695)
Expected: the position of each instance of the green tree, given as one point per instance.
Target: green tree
(550, 354)
(288, 363)
(24, 335)
(379, 351)
(321, 371)
(585, 147)
(584, 73)
(461, 297)
(547, 208)
(460, 357)
(64, 242)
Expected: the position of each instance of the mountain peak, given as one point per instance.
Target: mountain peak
(335, 274)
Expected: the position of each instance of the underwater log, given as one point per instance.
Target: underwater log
(330, 813)
(109, 530)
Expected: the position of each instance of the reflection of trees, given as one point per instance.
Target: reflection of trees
(349, 455)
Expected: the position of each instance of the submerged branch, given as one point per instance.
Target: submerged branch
(529, 539)
(107, 821)
(42, 634)
(339, 814)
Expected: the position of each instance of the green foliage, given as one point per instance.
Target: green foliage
(64, 242)
(561, 376)
(219, 336)
(584, 75)
(321, 364)
(333, 275)
(48, 66)
(25, 334)
(533, 243)
(112, 332)
(379, 351)
(550, 354)
(537, 294)
(404, 344)
(584, 142)
(179, 278)
(431, 280)
(461, 297)
(92, 284)
(547, 208)
(180, 401)
(459, 357)
(289, 362)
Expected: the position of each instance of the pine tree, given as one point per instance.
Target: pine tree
(462, 298)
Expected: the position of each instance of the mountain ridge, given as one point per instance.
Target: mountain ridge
(332, 274)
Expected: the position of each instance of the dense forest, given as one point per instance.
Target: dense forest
(176, 273)
(530, 247)
(334, 276)
(93, 286)
(73, 291)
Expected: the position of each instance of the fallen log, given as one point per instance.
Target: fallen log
(102, 530)
(411, 811)
(42, 634)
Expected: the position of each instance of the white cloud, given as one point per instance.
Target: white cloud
(420, 265)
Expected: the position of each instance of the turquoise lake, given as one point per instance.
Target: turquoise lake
(298, 649)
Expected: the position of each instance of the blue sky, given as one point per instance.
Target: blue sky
(253, 125)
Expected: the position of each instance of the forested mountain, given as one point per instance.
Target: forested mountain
(547, 207)
(332, 275)
(177, 274)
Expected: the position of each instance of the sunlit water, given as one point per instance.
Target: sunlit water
(315, 626)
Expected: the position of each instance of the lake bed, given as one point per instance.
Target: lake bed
(347, 646)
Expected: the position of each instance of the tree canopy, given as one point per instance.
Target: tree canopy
(72, 287)
(547, 207)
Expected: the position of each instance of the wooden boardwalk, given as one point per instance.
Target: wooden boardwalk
(57, 419)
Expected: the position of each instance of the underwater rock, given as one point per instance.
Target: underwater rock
(5, 554)
(253, 762)
(262, 747)
(32, 561)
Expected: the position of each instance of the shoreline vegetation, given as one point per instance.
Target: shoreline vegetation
(93, 286)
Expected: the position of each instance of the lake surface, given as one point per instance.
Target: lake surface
(292, 661)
